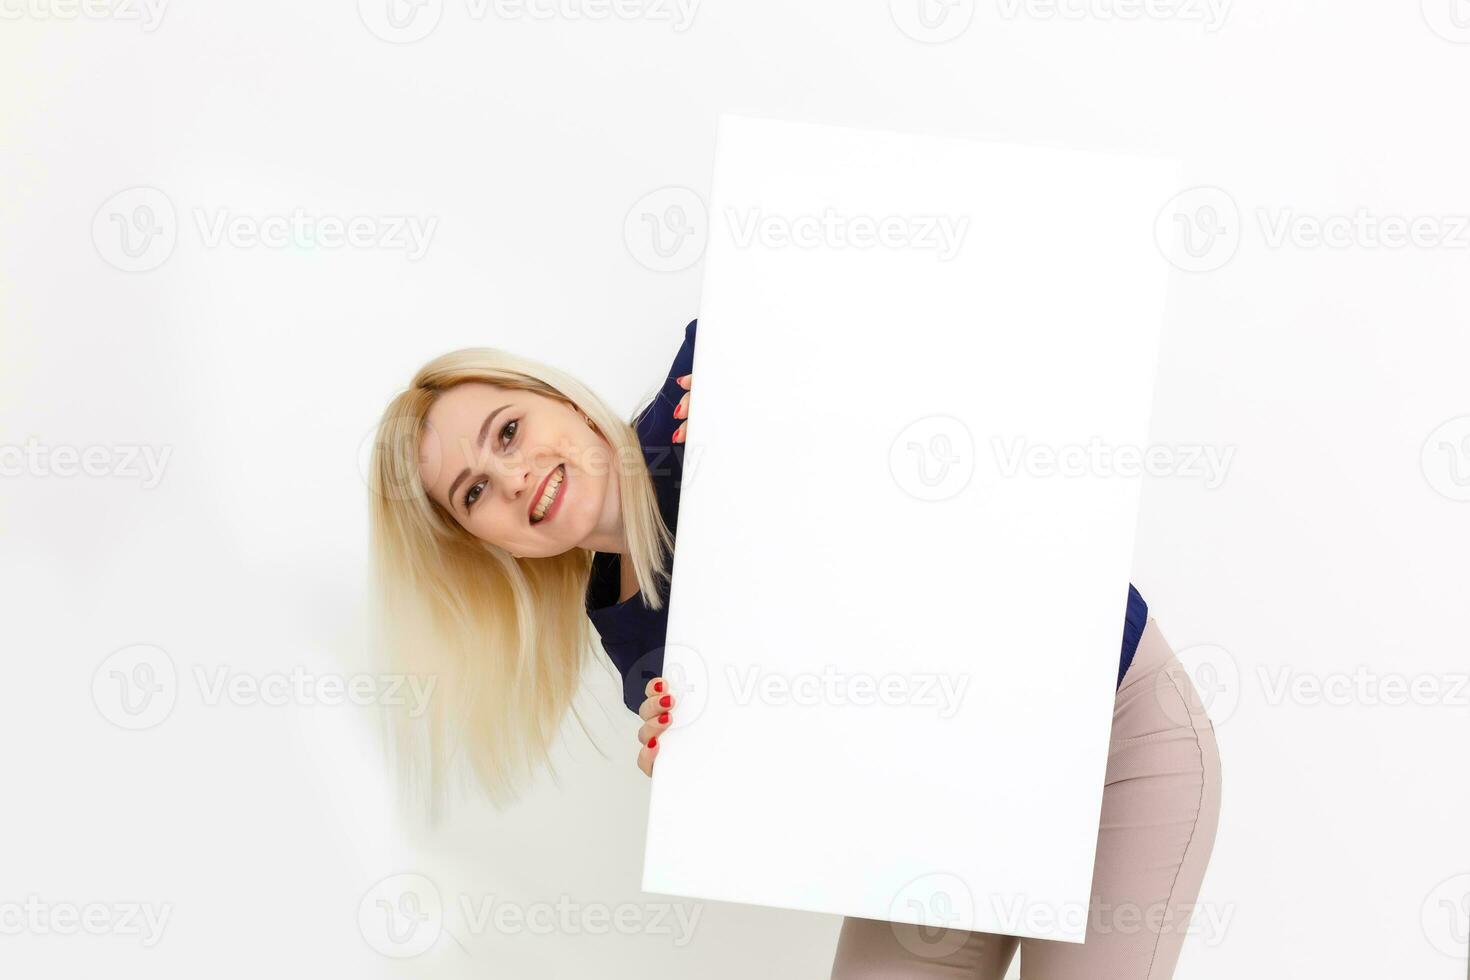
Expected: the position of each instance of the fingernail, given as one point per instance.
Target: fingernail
(658, 687)
(679, 412)
(653, 742)
(679, 434)
(683, 380)
(666, 701)
(663, 719)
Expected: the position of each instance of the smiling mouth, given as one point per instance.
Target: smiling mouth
(550, 494)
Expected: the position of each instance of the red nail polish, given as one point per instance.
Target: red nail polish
(666, 701)
(658, 687)
(653, 742)
(663, 719)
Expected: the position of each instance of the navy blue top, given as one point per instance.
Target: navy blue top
(632, 634)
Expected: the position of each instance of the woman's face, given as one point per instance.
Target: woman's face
(491, 455)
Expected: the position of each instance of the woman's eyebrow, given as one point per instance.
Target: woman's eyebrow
(479, 444)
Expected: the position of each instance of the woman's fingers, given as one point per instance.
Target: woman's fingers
(658, 701)
(656, 717)
(681, 410)
(653, 727)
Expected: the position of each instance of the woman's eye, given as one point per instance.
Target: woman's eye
(512, 427)
(473, 494)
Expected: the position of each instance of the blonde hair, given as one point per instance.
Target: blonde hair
(505, 640)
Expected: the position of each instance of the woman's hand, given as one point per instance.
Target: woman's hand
(655, 715)
(681, 410)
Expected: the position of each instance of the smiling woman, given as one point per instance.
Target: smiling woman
(496, 480)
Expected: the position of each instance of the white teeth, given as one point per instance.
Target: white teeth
(552, 486)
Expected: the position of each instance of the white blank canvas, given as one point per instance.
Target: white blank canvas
(894, 628)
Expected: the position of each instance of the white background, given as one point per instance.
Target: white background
(1334, 543)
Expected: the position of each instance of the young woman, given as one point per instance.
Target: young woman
(512, 512)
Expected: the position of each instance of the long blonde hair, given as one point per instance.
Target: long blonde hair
(505, 640)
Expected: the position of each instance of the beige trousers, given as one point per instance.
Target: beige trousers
(1160, 807)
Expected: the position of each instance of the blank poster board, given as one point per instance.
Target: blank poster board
(901, 574)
